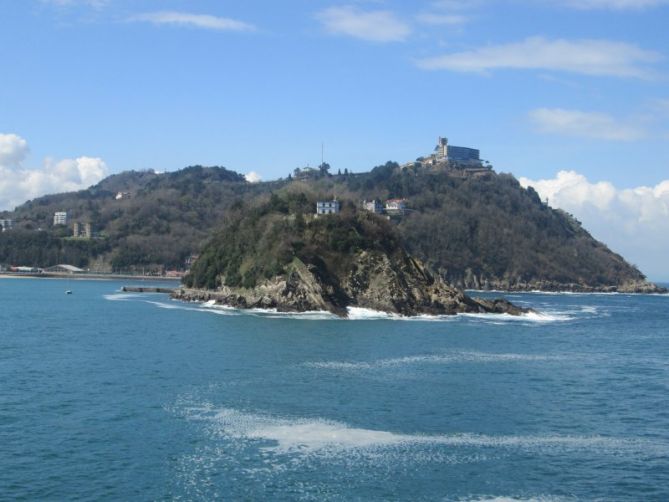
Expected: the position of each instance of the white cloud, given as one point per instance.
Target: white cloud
(253, 177)
(19, 184)
(441, 19)
(456, 4)
(612, 4)
(13, 149)
(585, 124)
(375, 26)
(97, 4)
(204, 21)
(587, 57)
(633, 222)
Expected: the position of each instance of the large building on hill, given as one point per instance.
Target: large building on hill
(458, 158)
(456, 154)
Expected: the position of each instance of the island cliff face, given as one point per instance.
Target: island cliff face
(295, 263)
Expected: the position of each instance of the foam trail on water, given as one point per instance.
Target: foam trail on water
(451, 358)
(119, 297)
(320, 436)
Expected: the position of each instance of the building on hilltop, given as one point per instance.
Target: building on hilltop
(327, 207)
(83, 230)
(122, 195)
(6, 224)
(456, 154)
(373, 206)
(306, 173)
(60, 218)
(452, 157)
(396, 207)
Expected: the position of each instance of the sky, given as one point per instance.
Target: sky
(571, 96)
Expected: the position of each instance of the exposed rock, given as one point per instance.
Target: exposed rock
(374, 280)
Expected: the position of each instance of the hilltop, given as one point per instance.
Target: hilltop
(279, 255)
(475, 228)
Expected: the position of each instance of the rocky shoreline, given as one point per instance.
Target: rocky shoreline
(400, 285)
(471, 282)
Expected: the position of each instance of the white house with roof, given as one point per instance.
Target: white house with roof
(327, 207)
(396, 206)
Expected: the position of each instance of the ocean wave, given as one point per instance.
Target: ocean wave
(451, 358)
(537, 498)
(359, 313)
(531, 317)
(317, 315)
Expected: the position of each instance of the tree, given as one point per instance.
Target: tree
(324, 168)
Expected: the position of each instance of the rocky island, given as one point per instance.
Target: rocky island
(279, 255)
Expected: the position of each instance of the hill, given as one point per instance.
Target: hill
(482, 232)
(279, 255)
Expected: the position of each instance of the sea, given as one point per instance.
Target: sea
(106, 395)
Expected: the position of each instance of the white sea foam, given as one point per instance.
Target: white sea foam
(363, 314)
(320, 436)
(532, 317)
(537, 498)
(119, 297)
(450, 358)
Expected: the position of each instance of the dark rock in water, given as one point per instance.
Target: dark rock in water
(396, 284)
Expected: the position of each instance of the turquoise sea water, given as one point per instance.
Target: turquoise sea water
(111, 396)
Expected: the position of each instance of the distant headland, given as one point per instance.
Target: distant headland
(469, 225)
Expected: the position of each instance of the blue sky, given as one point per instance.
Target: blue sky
(92, 87)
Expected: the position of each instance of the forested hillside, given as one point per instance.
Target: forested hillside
(476, 231)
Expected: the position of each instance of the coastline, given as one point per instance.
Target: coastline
(85, 276)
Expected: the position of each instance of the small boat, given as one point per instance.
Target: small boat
(68, 292)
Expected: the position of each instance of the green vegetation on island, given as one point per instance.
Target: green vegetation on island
(480, 230)
(280, 255)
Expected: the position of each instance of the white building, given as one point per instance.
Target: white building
(373, 206)
(83, 230)
(60, 218)
(396, 206)
(64, 269)
(327, 207)
(6, 224)
(122, 195)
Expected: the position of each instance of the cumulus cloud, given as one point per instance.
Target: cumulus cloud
(13, 149)
(19, 184)
(204, 21)
(587, 57)
(632, 221)
(375, 26)
(585, 124)
(253, 177)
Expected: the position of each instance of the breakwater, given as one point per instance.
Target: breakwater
(146, 289)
